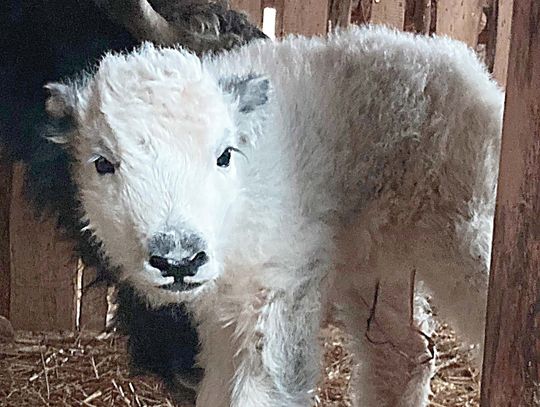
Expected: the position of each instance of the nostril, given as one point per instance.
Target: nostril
(161, 263)
(199, 259)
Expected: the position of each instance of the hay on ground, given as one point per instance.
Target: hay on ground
(78, 370)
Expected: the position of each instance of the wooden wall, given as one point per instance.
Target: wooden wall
(37, 267)
(43, 267)
(5, 258)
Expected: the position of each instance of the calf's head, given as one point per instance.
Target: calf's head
(155, 140)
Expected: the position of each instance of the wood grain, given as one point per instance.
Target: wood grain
(279, 5)
(502, 47)
(511, 374)
(43, 267)
(389, 12)
(460, 19)
(417, 16)
(361, 13)
(5, 268)
(339, 13)
(307, 17)
(94, 305)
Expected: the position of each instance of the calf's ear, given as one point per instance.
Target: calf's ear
(61, 100)
(60, 106)
(250, 93)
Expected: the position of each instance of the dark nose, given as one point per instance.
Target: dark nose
(179, 268)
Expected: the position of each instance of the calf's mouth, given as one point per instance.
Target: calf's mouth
(179, 269)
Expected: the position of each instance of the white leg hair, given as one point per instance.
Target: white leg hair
(281, 368)
(393, 353)
(373, 288)
(376, 292)
(217, 359)
(458, 284)
(272, 357)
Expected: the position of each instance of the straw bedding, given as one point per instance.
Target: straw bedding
(83, 370)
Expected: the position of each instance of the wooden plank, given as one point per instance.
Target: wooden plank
(253, 8)
(511, 373)
(488, 36)
(361, 13)
(5, 267)
(307, 17)
(94, 305)
(460, 19)
(279, 5)
(502, 47)
(417, 16)
(388, 12)
(43, 269)
(339, 13)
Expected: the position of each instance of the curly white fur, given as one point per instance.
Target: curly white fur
(376, 155)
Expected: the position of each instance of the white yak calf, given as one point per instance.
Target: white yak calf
(267, 184)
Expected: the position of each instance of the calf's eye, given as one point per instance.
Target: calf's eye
(225, 158)
(104, 166)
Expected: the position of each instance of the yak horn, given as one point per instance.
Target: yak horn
(140, 19)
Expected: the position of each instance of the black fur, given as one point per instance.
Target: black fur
(44, 40)
(159, 347)
(191, 18)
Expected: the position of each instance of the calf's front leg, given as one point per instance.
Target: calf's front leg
(276, 362)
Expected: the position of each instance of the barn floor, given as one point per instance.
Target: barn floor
(69, 370)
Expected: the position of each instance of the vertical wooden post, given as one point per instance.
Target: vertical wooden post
(502, 45)
(460, 19)
(307, 17)
(253, 8)
(361, 13)
(94, 305)
(418, 16)
(511, 375)
(389, 12)
(279, 5)
(488, 35)
(339, 13)
(5, 267)
(43, 267)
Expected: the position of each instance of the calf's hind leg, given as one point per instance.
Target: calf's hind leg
(393, 353)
